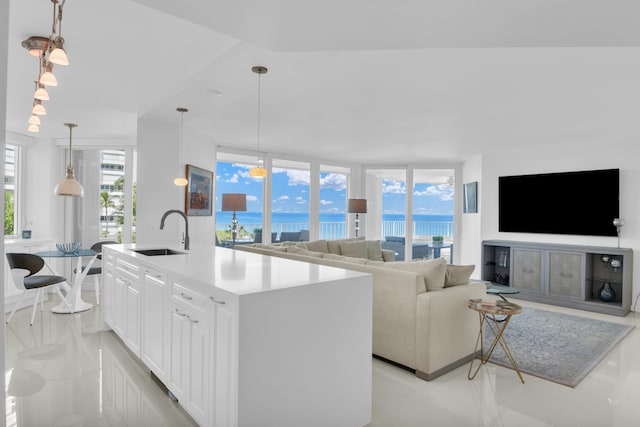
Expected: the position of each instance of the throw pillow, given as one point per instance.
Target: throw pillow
(355, 249)
(317, 246)
(374, 251)
(457, 274)
(433, 271)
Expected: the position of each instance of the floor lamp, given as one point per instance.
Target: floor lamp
(357, 206)
(234, 202)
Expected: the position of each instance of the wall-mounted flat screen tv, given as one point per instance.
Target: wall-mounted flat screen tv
(578, 203)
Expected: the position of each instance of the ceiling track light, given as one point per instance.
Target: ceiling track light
(181, 181)
(49, 51)
(259, 171)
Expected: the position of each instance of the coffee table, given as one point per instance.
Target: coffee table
(502, 290)
(487, 313)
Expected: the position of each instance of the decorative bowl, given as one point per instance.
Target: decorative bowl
(68, 248)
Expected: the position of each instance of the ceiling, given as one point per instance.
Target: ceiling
(370, 81)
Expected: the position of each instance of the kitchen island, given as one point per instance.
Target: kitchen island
(243, 339)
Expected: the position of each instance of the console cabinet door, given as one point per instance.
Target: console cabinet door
(566, 274)
(527, 269)
(154, 329)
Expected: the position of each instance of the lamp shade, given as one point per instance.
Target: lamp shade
(58, 56)
(258, 172)
(69, 186)
(357, 205)
(41, 93)
(234, 202)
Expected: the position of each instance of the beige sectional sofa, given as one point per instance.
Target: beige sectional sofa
(420, 316)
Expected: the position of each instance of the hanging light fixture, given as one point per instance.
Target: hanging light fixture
(33, 128)
(34, 120)
(38, 108)
(49, 51)
(69, 186)
(181, 180)
(259, 171)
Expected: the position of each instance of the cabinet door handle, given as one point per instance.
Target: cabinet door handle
(192, 320)
(181, 314)
(185, 296)
(217, 301)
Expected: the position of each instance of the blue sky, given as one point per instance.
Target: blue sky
(291, 192)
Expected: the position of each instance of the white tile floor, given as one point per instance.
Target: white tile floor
(63, 372)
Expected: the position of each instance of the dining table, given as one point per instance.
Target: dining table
(74, 302)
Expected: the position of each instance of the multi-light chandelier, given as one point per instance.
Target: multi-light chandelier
(50, 52)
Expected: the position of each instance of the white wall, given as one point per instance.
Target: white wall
(4, 59)
(158, 165)
(471, 223)
(544, 158)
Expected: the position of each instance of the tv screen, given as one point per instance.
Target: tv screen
(579, 203)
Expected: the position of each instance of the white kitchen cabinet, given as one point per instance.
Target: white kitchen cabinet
(155, 331)
(247, 340)
(189, 343)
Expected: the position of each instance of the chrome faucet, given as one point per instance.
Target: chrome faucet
(186, 225)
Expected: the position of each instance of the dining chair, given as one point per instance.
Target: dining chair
(96, 270)
(24, 268)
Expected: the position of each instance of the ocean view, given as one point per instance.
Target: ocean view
(334, 225)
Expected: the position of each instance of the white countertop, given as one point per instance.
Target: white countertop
(234, 271)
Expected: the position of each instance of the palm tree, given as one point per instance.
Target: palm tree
(106, 202)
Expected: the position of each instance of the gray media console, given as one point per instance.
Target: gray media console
(566, 275)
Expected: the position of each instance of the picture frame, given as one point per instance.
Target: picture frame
(470, 197)
(198, 192)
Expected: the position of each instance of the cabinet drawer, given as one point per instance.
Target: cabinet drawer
(109, 259)
(130, 270)
(155, 275)
(182, 295)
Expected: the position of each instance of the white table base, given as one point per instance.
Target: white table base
(73, 297)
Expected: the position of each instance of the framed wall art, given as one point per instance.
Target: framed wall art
(470, 195)
(199, 192)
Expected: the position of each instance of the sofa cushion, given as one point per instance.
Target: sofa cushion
(334, 245)
(351, 260)
(357, 249)
(374, 251)
(433, 271)
(376, 263)
(317, 246)
(302, 251)
(458, 274)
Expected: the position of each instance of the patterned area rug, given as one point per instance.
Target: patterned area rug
(555, 346)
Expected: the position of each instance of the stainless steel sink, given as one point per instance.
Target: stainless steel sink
(158, 252)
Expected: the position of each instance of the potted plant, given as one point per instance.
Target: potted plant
(437, 240)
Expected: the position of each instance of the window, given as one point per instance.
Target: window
(232, 176)
(11, 188)
(334, 182)
(113, 207)
(290, 196)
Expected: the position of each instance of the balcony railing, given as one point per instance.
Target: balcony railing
(338, 230)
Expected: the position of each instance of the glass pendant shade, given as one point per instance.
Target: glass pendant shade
(59, 56)
(38, 109)
(41, 93)
(34, 120)
(33, 128)
(69, 186)
(258, 172)
(181, 181)
(47, 78)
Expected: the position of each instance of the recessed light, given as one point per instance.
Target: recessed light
(215, 92)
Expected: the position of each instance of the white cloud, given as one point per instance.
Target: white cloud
(444, 191)
(251, 198)
(331, 210)
(395, 187)
(298, 177)
(334, 181)
(300, 200)
(233, 179)
(326, 202)
(285, 197)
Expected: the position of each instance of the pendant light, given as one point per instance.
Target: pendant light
(181, 180)
(33, 128)
(69, 186)
(38, 108)
(259, 171)
(34, 120)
